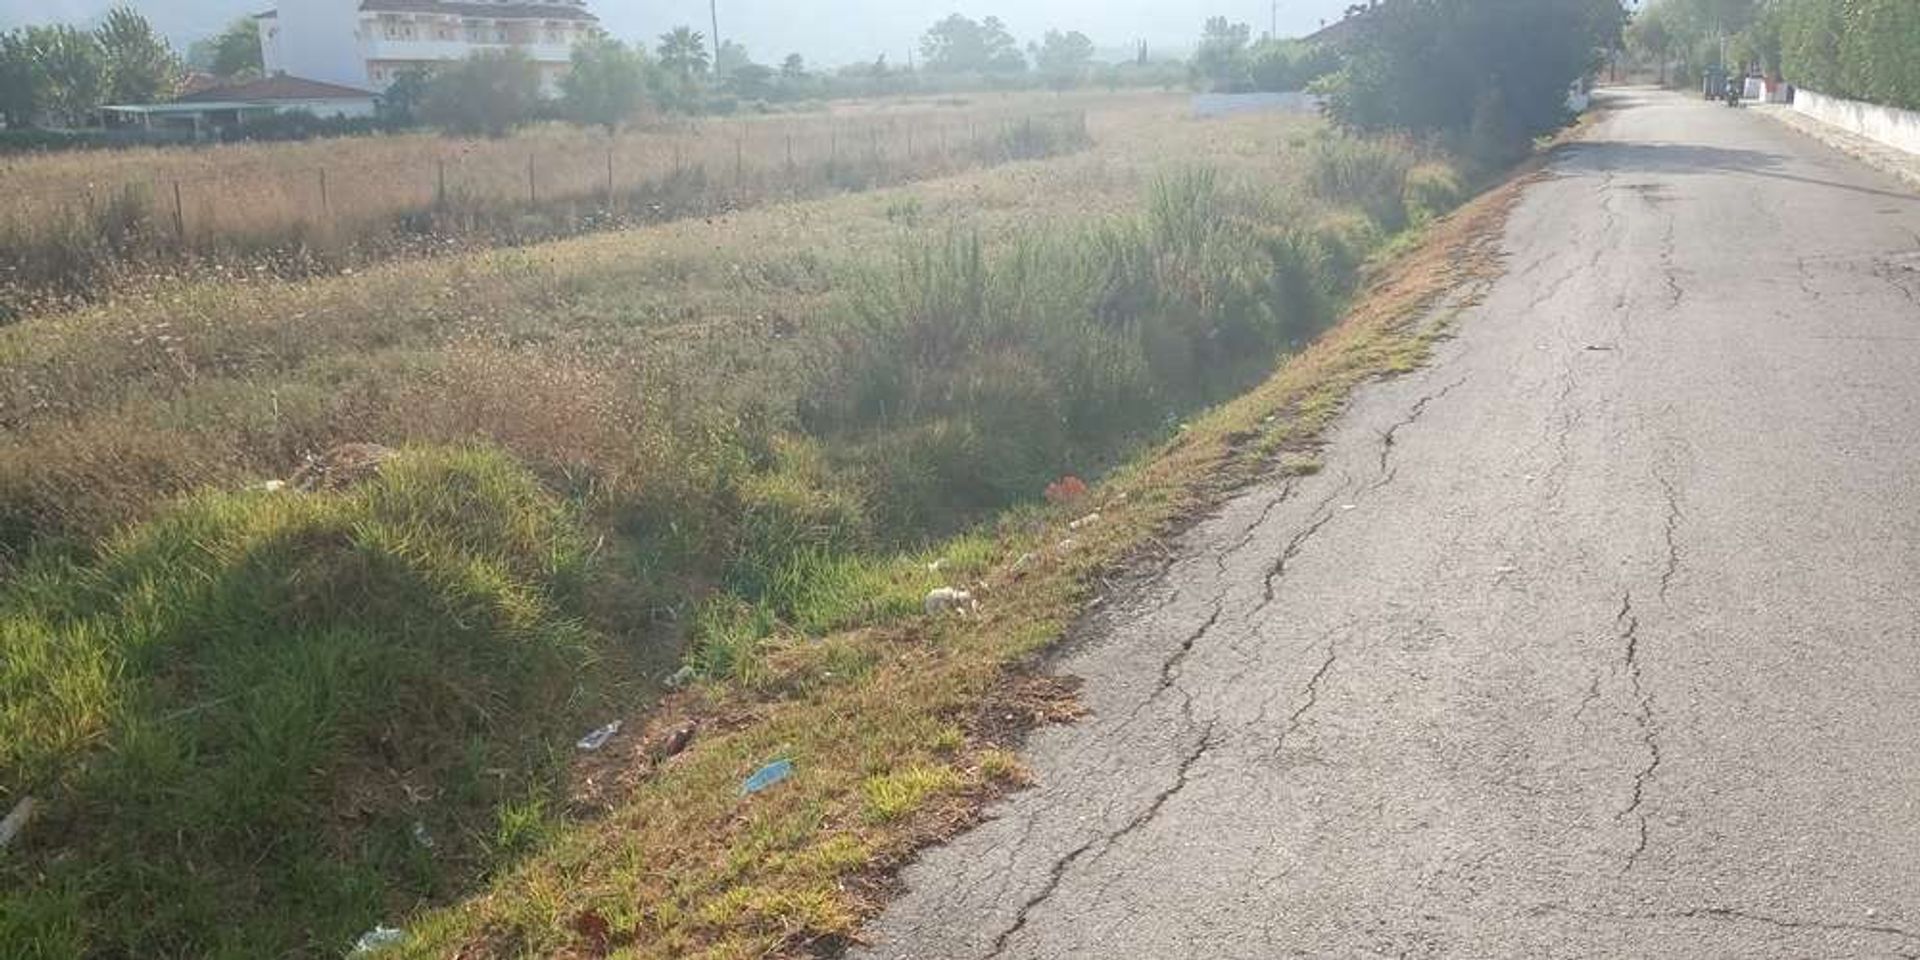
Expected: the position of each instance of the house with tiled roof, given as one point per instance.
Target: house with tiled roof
(210, 109)
(371, 43)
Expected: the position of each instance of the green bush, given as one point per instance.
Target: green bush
(1432, 190)
(1858, 49)
(247, 719)
(1368, 173)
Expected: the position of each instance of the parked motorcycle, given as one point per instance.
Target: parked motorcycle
(1735, 91)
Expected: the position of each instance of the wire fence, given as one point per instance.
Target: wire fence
(63, 239)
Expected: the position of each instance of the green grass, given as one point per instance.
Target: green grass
(239, 706)
(240, 714)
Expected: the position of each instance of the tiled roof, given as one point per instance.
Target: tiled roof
(281, 87)
(514, 10)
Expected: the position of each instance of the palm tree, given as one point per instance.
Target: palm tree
(684, 51)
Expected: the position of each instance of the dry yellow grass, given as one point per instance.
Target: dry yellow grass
(113, 409)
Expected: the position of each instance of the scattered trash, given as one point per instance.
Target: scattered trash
(16, 821)
(271, 486)
(681, 678)
(421, 836)
(1503, 571)
(1025, 560)
(948, 600)
(674, 743)
(1599, 349)
(376, 940)
(1531, 478)
(1068, 489)
(1345, 507)
(342, 467)
(1068, 545)
(1084, 522)
(937, 565)
(599, 738)
(767, 776)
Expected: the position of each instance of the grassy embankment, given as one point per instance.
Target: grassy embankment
(260, 722)
(77, 226)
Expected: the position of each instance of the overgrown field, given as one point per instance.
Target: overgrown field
(260, 722)
(74, 225)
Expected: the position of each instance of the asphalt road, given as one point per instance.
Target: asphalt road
(1600, 637)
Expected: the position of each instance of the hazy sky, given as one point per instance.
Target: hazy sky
(828, 31)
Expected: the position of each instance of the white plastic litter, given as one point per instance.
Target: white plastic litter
(1084, 522)
(948, 600)
(16, 821)
(599, 738)
(376, 940)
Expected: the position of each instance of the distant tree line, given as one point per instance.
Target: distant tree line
(1858, 49)
(61, 75)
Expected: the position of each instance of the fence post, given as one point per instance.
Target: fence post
(533, 193)
(909, 143)
(609, 179)
(326, 208)
(789, 153)
(179, 214)
(440, 194)
(739, 162)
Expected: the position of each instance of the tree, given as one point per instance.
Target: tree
(606, 85)
(753, 82)
(683, 51)
(961, 45)
(733, 55)
(401, 104)
(1221, 58)
(140, 66)
(793, 68)
(1442, 66)
(1649, 38)
(1288, 65)
(22, 81)
(234, 53)
(488, 93)
(1063, 57)
(73, 72)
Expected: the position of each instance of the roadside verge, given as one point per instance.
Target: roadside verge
(873, 743)
(1872, 152)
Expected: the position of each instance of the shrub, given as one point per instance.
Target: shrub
(489, 93)
(1432, 190)
(243, 718)
(1368, 173)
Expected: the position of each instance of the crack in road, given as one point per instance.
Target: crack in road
(1413, 416)
(1628, 624)
(1672, 534)
(1253, 529)
(1058, 873)
(1669, 249)
(1736, 914)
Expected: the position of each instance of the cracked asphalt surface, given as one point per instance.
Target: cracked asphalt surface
(1597, 637)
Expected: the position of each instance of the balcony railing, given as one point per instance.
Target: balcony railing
(381, 48)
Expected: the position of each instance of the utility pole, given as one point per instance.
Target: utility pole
(1274, 34)
(713, 7)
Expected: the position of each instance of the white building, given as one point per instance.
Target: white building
(370, 43)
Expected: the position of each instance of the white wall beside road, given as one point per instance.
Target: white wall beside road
(1896, 128)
